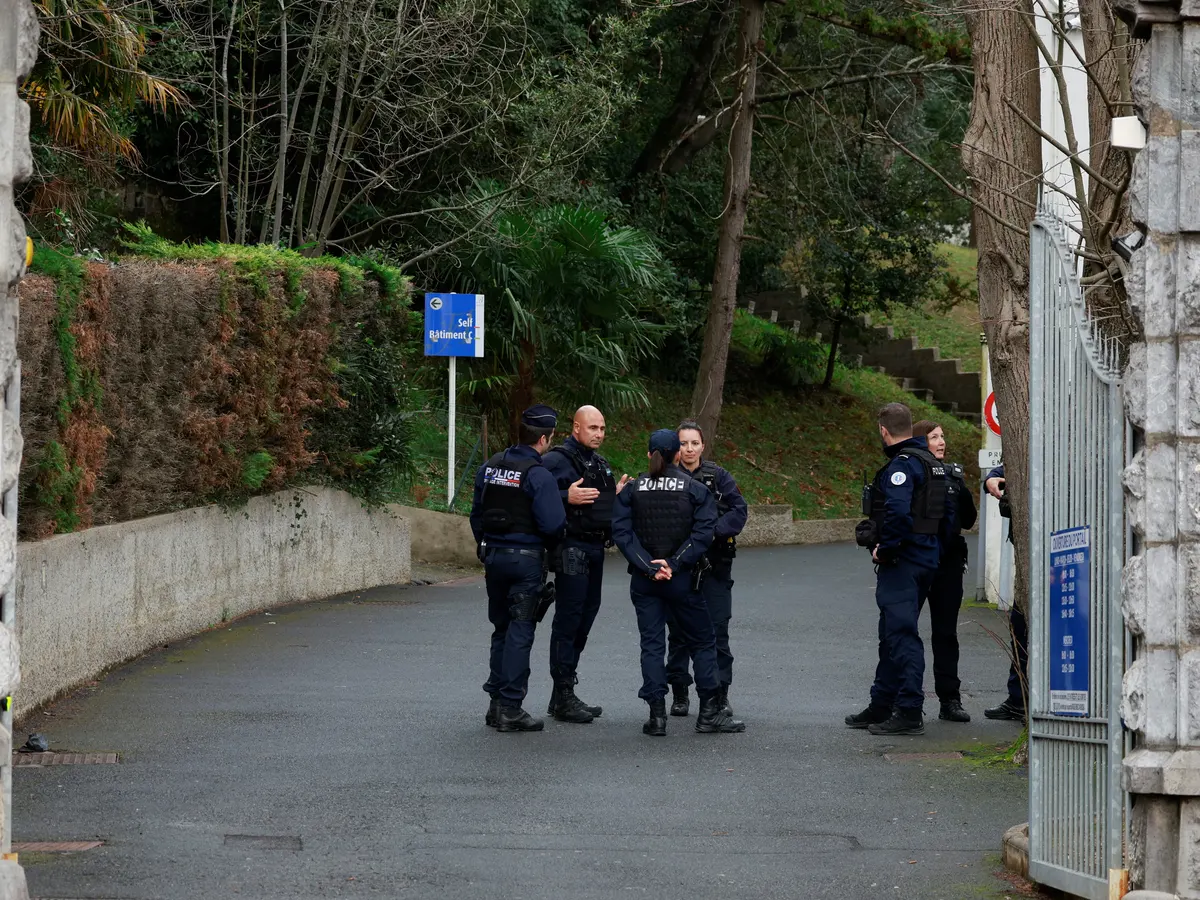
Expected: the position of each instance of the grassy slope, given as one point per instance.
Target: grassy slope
(956, 333)
(806, 448)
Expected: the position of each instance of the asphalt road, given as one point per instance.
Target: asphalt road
(337, 749)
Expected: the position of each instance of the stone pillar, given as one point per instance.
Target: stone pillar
(18, 50)
(1162, 484)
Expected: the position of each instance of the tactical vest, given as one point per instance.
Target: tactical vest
(662, 512)
(956, 486)
(929, 500)
(706, 474)
(506, 508)
(591, 520)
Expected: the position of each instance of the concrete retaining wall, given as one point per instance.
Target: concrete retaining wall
(439, 537)
(91, 600)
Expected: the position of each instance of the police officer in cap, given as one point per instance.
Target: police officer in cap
(716, 586)
(588, 488)
(516, 514)
(906, 503)
(946, 592)
(663, 523)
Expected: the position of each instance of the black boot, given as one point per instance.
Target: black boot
(1006, 710)
(493, 708)
(567, 707)
(902, 721)
(657, 724)
(952, 711)
(680, 702)
(713, 718)
(594, 710)
(723, 695)
(872, 715)
(513, 718)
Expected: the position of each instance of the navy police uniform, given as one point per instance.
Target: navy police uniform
(1014, 706)
(670, 517)
(946, 592)
(578, 567)
(716, 587)
(906, 505)
(516, 513)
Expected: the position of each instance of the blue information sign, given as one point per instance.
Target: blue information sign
(454, 324)
(1070, 565)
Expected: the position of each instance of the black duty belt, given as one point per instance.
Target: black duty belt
(536, 554)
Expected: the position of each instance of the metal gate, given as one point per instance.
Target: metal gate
(1076, 632)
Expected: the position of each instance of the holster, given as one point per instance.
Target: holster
(545, 600)
(525, 607)
(702, 567)
(481, 551)
(573, 561)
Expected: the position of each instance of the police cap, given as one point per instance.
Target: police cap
(666, 442)
(539, 416)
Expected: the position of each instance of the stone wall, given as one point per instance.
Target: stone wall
(18, 50)
(91, 600)
(1162, 485)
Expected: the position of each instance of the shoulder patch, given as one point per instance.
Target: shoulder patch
(898, 478)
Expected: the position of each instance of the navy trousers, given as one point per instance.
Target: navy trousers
(1020, 642)
(900, 674)
(945, 601)
(717, 591)
(576, 602)
(655, 602)
(512, 580)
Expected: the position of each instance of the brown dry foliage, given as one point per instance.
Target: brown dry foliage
(198, 370)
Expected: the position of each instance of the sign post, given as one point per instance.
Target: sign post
(453, 328)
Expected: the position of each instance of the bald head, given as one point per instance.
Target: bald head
(588, 427)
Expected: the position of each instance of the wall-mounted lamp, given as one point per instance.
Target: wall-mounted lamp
(1127, 245)
(1128, 132)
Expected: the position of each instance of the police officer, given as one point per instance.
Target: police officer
(588, 488)
(716, 586)
(663, 524)
(516, 514)
(946, 592)
(1014, 706)
(906, 503)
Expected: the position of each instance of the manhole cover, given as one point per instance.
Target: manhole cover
(54, 846)
(918, 757)
(264, 842)
(64, 759)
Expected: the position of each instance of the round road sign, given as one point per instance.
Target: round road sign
(989, 413)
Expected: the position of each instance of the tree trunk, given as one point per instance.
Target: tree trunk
(710, 380)
(284, 134)
(522, 395)
(833, 348)
(997, 150)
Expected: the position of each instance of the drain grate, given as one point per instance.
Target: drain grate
(64, 759)
(264, 841)
(918, 757)
(54, 846)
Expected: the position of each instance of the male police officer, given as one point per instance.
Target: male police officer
(906, 503)
(588, 489)
(516, 514)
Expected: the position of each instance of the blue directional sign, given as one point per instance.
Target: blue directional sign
(454, 325)
(1070, 567)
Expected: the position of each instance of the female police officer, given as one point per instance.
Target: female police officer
(663, 523)
(716, 586)
(946, 591)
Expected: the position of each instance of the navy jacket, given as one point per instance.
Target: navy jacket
(704, 523)
(997, 472)
(732, 523)
(548, 510)
(960, 516)
(898, 481)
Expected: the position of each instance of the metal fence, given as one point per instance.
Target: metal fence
(1077, 636)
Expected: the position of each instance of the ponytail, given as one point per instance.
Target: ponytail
(658, 464)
